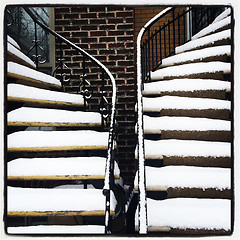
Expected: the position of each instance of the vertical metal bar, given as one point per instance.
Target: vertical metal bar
(179, 31)
(149, 60)
(160, 42)
(174, 44)
(184, 27)
(164, 35)
(169, 38)
(36, 45)
(61, 62)
(190, 28)
(153, 65)
(84, 83)
(102, 100)
(156, 46)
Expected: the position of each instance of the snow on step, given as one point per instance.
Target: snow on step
(190, 69)
(19, 71)
(182, 213)
(186, 148)
(222, 15)
(25, 93)
(204, 41)
(13, 42)
(197, 55)
(55, 200)
(213, 27)
(186, 84)
(187, 177)
(61, 168)
(19, 55)
(57, 229)
(57, 140)
(52, 117)
(157, 124)
(175, 102)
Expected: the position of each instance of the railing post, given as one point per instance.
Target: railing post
(174, 44)
(84, 82)
(36, 45)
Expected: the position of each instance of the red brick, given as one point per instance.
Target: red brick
(88, 15)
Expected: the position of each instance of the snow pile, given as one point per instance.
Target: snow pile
(175, 102)
(41, 200)
(222, 15)
(35, 139)
(81, 166)
(21, 70)
(185, 213)
(26, 92)
(188, 177)
(191, 68)
(204, 41)
(13, 42)
(28, 114)
(186, 148)
(186, 84)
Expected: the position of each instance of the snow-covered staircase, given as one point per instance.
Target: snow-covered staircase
(187, 137)
(56, 155)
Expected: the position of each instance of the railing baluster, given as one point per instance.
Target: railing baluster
(174, 44)
(102, 92)
(61, 61)
(36, 44)
(149, 60)
(184, 27)
(160, 42)
(156, 46)
(169, 38)
(179, 30)
(164, 35)
(84, 82)
(153, 65)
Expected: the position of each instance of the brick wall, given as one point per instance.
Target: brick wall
(108, 34)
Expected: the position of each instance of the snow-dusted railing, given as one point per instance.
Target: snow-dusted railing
(109, 168)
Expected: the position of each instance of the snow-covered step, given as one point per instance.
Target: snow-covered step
(28, 76)
(13, 42)
(215, 39)
(61, 202)
(15, 55)
(216, 53)
(57, 140)
(189, 213)
(73, 168)
(28, 116)
(214, 70)
(209, 88)
(223, 15)
(32, 95)
(188, 128)
(189, 107)
(57, 229)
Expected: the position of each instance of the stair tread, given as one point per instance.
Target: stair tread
(186, 148)
(204, 41)
(158, 87)
(13, 42)
(18, 92)
(27, 201)
(187, 177)
(190, 213)
(191, 69)
(27, 74)
(223, 15)
(57, 140)
(59, 168)
(176, 102)
(16, 55)
(197, 55)
(52, 117)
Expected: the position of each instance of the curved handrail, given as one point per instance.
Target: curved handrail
(140, 148)
(109, 161)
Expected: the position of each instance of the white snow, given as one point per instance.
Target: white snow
(223, 15)
(204, 41)
(28, 114)
(13, 42)
(191, 68)
(13, 50)
(213, 27)
(186, 148)
(21, 70)
(192, 213)
(21, 91)
(197, 55)
(186, 84)
(58, 166)
(41, 200)
(188, 177)
(175, 102)
(57, 229)
(184, 124)
(32, 139)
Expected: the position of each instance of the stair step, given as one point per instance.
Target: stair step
(13, 42)
(31, 95)
(189, 107)
(215, 39)
(214, 70)
(28, 76)
(223, 15)
(58, 202)
(73, 168)
(27, 116)
(35, 141)
(186, 213)
(216, 53)
(209, 88)
(15, 55)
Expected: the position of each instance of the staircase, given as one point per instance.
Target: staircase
(184, 150)
(59, 156)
